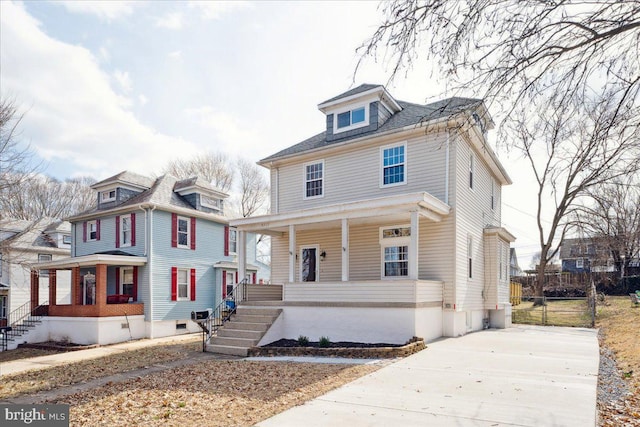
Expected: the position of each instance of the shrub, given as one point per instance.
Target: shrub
(303, 341)
(324, 342)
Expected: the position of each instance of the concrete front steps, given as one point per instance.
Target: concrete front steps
(245, 330)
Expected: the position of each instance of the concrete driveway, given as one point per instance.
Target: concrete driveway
(521, 376)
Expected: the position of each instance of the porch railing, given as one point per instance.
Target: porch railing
(23, 318)
(222, 313)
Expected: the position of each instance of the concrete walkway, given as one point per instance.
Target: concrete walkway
(521, 376)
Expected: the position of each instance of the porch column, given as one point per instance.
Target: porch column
(292, 253)
(242, 255)
(345, 250)
(413, 246)
(52, 287)
(101, 284)
(76, 297)
(35, 289)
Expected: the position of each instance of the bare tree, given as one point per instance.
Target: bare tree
(573, 149)
(512, 51)
(36, 196)
(254, 188)
(216, 168)
(15, 160)
(613, 219)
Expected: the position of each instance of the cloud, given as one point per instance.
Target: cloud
(73, 114)
(171, 21)
(123, 79)
(142, 100)
(106, 10)
(229, 134)
(176, 55)
(215, 9)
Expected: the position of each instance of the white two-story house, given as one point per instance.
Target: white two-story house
(387, 224)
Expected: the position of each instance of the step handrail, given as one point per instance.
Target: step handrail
(223, 312)
(20, 315)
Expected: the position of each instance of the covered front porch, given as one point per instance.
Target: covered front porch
(102, 285)
(359, 271)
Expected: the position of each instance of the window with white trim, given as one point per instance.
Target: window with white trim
(107, 196)
(493, 194)
(183, 284)
(394, 242)
(313, 180)
(125, 230)
(44, 258)
(66, 239)
(92, 230)
(3, 306)
(351, 117)
(393, 165)
(184, 232)
(580, 263)
(470, 257)
(233, 240)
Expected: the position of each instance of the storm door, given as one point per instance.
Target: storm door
(309, 264)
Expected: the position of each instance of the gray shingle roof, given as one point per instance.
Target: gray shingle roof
(411, 114)
(33, 236)
(362, 88)
(126, 177)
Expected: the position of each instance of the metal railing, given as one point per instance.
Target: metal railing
(24, 318)
(222, 313)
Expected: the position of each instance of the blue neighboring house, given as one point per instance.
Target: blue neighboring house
(149, 253)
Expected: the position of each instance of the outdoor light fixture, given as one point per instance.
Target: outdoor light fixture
(323, 255)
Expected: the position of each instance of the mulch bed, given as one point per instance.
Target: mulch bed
(61, 346)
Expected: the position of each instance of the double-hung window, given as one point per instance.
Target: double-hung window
(183, 284)
(394, 242)
(471, 170)
(233, 241)
(313, 180)
(470, 257)
(184, 232)
(92, 230)
(126, 281)
(44, 258)
(393, 165)
(125, 230)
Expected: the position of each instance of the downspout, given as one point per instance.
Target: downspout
(150, 268)
(446, 171)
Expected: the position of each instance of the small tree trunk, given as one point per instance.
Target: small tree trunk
(538, 288)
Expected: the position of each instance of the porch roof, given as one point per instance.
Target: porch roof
(90, 260)
(396, 206)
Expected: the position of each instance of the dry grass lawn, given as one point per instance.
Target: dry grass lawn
(619, 322)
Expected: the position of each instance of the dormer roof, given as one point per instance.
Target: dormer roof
(363, 91)
(125, 178)
(198, 185)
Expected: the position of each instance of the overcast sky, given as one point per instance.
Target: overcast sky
(115, 86)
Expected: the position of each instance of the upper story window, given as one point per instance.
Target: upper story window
(93, 231)
(211, 203)
(393, 162)
(470, 257)
(233, 241)
(107, 196)
(184, 232)
(125, 230)
(313, 180)
(44, 258)
(66, 239)
(580, 263)
(352, 118)
(493, 194)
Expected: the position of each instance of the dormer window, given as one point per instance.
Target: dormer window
(107, 196)
(211, 203)
(351, 119)
(66, 239)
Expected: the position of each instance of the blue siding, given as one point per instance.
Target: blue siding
(107, 240)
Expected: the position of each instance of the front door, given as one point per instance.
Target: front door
(309, 264)
(89, 289)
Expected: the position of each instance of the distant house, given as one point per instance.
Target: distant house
(514, 268)
(585, 255)
(23, 244)
(149, 253)
(387, 224)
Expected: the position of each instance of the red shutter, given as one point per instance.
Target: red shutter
(254, 279)
(174, 283)
(236, 277)
(117, 281)
(117, 231)
(193, 284)
(226, 240)
(135, 283)
(224, 284)
(84, 231)
(193, 233)
(133, 229)
(97, 229)
(174, 230)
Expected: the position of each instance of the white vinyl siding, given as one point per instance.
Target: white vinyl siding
(360, 168)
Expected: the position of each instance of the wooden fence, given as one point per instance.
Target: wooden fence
(515, 293)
